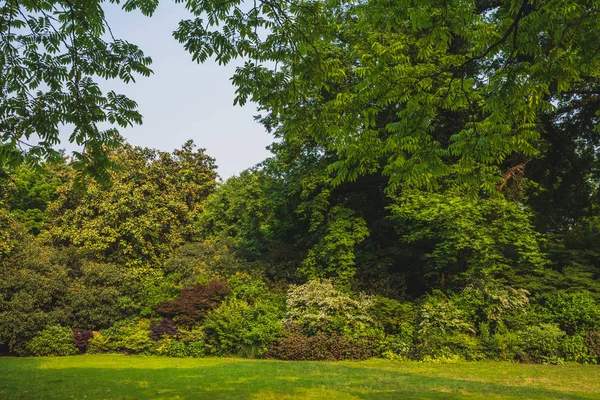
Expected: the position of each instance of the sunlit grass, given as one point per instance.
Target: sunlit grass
(129, 377)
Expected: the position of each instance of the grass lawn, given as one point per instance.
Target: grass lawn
(129, 377)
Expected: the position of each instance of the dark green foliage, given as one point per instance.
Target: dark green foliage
(575, 313)
(194, 303)
(32, 285)
(392, 315)
(52, 341)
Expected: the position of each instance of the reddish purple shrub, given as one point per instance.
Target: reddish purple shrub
(194, 303)
(166, 326)
(296, 346)
(82, 338)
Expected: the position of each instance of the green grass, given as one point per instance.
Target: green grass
(129, 377)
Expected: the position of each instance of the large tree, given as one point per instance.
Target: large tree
(422, 91)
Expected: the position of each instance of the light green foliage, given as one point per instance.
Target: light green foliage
(144, 215)
(52, 53)
(130, 336)
(240, 209)
(334, 255)
(28, 193)
(247, 322)
(470, 238)
(317, 306)
(173, 348)
(52, 341)
(241, 328)
(443, 329)
(541, 344)
(575, 349)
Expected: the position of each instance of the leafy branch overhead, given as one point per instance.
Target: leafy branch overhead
(52, 54)
(422, 91)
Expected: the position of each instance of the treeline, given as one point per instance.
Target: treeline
(283, 262)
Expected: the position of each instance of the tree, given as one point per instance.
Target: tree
(51, 54)
(424, 92)
(149, 209)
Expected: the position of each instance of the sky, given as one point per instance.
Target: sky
(184, 100)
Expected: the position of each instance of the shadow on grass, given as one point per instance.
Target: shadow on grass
(30, 379)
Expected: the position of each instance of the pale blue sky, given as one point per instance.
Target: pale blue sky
(184, 100)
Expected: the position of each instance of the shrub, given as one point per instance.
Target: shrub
(128, 336)
(391, 315)
(592, 340)
(297, 346)
(443, 330)
(52, 341)
(541, 344)
(173, 348)
(318, 306)
(501, 346)
(82, 338)
(166, 326)
(240, 328)
(575, 349)
(574, 312)
(194, 303)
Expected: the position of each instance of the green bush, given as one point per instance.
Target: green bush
(575, 349)
(240, 328)
(128, 336)
(443, 330)
(174, 348)
(574, 312)
(501, 346)
(53, 341)
(541, 344)
(391, 315)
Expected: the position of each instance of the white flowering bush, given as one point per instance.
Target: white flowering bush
(317, 306)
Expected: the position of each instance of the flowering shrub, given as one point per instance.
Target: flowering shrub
(317, 306)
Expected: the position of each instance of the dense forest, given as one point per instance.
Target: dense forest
(433, 191)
